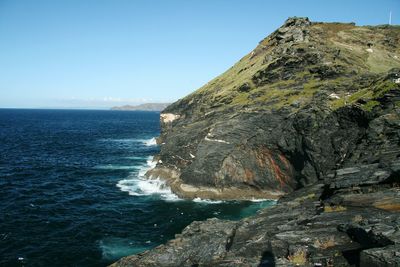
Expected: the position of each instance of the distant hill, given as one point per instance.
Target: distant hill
(143, 107)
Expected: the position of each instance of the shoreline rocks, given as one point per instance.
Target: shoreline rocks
(313, 226)
(188, 191)
(309, 117)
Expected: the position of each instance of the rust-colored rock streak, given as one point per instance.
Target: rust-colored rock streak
(280, 167)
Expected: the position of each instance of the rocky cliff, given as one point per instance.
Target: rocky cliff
(143, 107)
(297, 107)
(311, 115)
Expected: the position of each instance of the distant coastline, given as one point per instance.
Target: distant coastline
(143, 107)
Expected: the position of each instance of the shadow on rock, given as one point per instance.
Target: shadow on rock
(267, 260)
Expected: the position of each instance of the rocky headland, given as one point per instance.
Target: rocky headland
(142, 107)
(311, 117)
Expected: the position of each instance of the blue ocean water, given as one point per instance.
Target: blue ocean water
(72, 191)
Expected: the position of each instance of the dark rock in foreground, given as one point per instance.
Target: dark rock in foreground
(312, 116)
(315, 226)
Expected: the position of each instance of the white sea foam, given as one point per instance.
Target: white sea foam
(150, 142)
(261, 200)
(156, 187)
(115, 248)
(147, 142)
(151, 163)
(207, 201)
(139, 185)
(136, 158)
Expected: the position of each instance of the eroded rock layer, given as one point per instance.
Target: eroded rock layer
(304, 102)
(311, 116)
(350, 218)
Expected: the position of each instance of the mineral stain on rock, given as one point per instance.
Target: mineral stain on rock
(311, 117)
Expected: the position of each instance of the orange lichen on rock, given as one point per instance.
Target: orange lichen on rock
(388, 206)
(279, 174)
(285, 161)
(266, 158)
(249, 175)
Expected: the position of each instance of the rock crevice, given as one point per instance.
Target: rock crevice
(309, 117)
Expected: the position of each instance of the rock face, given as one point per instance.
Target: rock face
(311, 116)
(328, 223)
(307, 100)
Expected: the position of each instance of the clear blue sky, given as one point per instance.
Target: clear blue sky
(95, 53)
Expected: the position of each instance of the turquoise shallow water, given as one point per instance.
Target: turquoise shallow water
(72, 191)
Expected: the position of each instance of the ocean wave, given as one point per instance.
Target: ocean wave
(137, 158)
(115, 248)
(207, 201)
(115, 167)
(147, 142)
(139, 185)
(210, 201)
(150, 142)
(262, 200)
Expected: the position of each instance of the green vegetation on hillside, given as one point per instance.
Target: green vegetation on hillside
(301, 59)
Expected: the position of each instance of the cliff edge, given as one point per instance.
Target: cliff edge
(295, 108)
(311, 116)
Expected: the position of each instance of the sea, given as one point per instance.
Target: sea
(73, 190)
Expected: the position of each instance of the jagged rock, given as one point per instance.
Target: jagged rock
(284, 136)
(181, 251)
(294, 30)
(381, 257)
(359, 176)
(244, 87)
(303, 228)
(326, 72)
(268, 128)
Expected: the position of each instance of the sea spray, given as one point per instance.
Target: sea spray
(150, 142)
(137, 184)
(69, 206)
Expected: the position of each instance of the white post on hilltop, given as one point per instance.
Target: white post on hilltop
(390, 18)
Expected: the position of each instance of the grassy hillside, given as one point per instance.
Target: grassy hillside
(297, 61)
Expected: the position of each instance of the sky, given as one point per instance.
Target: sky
(103, 53)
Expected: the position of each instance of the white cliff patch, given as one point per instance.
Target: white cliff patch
(169, 117)
(334, 96)
(216, 140)
(210, 137)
